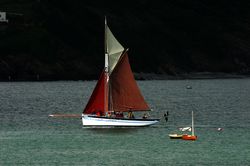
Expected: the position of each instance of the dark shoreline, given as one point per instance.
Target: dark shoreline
(195, 75)
(141, 76)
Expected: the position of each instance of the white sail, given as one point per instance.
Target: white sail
(114, 49)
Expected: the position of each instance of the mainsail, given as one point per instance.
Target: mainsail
(126, 94)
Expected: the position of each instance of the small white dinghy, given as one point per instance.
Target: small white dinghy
(175, 136)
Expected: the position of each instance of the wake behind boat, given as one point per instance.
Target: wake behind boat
(116, 91)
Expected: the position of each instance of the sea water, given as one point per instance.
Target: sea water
(29, 137)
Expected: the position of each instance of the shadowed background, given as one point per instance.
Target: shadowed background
(64, 40)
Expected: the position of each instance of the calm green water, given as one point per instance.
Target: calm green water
(29, 137)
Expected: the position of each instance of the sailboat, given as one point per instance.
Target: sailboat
(190, 137)
(116, 92)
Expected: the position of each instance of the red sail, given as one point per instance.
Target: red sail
(124, 90)
(96, 101)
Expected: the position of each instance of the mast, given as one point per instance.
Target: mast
(106, 48)
(192, 123)
(106, 69)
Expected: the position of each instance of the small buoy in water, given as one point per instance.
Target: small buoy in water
(219, 129)
(189, 87)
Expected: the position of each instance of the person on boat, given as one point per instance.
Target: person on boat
(98, 113)
(118, 114)
(109, 114)
(131, 115)
(166, 116)
(145, 116)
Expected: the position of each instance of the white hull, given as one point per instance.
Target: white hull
(115, 122)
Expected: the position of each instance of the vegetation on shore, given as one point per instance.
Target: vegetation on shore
(63, 40)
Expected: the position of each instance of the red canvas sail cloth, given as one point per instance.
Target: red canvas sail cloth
(96, 101)
(124, 90)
